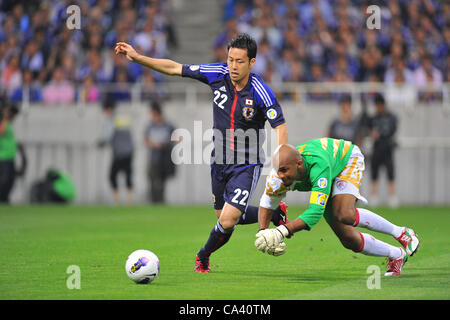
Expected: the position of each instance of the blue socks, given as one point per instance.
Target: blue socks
(220, 236)
(217, 238)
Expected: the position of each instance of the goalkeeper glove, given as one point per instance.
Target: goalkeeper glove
(278, 250)
(268, 240)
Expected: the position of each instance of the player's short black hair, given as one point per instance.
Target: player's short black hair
(244, 41)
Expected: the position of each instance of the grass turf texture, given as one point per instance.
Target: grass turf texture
(38, 243)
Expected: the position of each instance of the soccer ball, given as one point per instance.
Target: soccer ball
(142, 266)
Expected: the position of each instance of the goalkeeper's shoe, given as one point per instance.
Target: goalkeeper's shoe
(202, 265)
(395, 265)
(282, 214)
(408, 239)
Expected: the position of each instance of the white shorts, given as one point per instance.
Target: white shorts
(349, 180)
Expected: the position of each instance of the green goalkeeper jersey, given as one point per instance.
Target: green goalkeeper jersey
(324, 159)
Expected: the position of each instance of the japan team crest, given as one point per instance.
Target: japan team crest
(248, 113)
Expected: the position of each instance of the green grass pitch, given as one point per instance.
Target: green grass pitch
(39, 243)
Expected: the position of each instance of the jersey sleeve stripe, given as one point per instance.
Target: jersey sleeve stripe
(209, 68)
(263, 87)
(213, 71)
(258, 91)
(347, 145)
(213, 67)
(262, 92)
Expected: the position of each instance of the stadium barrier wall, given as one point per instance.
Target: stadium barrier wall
(66, 137)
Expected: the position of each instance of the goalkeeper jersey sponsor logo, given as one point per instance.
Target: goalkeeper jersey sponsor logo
(319, 198)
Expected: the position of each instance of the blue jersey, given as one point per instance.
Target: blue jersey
(238, 116)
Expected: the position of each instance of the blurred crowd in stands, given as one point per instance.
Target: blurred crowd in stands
(39, 52)
(328, 41)
(298, 41)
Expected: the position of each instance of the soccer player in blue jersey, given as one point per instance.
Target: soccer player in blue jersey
(242, 103)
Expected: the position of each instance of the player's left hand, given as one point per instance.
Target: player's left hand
(126, 50)
(268, 240)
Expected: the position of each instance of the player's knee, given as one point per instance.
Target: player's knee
(227, 222)
(224, 229)
(345, 215)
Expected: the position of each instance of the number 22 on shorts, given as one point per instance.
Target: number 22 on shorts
(238, 192)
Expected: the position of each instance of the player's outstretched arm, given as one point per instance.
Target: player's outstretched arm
(165, 66)
(296, 225)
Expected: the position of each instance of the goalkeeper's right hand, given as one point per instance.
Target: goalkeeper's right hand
(268, 240)
(278, 250)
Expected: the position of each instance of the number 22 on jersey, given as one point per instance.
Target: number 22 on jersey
(220, 98)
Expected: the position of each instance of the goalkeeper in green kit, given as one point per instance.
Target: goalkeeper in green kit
(332, 170)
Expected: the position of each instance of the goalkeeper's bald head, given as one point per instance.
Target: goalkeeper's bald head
(285, 154)
(288, 163)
